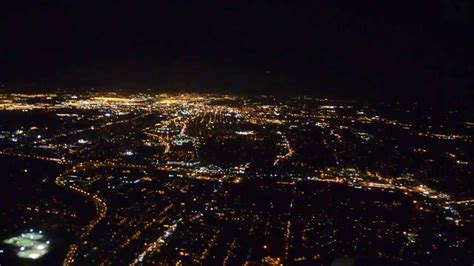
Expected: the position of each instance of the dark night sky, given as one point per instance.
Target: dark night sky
(382, 48)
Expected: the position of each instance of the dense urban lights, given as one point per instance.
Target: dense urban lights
(222, 179)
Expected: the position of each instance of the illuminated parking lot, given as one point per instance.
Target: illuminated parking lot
(29, 245)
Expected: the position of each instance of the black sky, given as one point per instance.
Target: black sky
(381, 48)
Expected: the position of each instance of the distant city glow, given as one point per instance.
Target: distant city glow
(224, 179)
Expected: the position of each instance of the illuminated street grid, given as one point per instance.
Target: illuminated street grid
(193, 178)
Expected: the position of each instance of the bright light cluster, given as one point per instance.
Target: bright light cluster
(31, 245)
